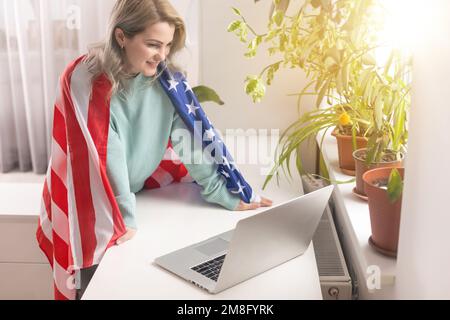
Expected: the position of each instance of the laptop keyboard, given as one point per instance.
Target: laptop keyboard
(211, 268)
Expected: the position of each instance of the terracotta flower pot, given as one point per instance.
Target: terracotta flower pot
(361, 168)
(384, 215)
(345, 151)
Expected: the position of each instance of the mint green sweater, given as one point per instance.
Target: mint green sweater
(141, 123)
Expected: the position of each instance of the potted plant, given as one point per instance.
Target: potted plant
(346, 148)
(384, 187)
(335, 43)
(387, 159)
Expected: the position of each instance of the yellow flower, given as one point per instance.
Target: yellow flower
(344, 119)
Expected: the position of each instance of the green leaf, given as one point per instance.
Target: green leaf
(255, 88)
(272, 34)
(366, 77)
(272, 51)
(379, 112)
(395, 186)
(280, 5)
(253, 46)
(354, 143)
(322, 93)
(237, 11)
(345, 77)
(399, 126)
(283, 41)
(271, 72)
(206, 94)
(372, 149)
(319, 83)
(278, 17)
(234, 26)
(243, 33)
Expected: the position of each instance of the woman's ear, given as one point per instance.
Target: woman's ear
(120, 37)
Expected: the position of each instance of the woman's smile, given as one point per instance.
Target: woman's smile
(152, 64)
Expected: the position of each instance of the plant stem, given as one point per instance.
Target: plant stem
(268, 67)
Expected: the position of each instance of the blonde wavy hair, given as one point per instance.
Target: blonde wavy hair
(133, 17)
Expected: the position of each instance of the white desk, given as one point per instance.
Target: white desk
(176, 216)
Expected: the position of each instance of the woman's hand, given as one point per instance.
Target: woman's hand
(254, 205)
(127, 236)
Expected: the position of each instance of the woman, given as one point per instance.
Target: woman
(142, 38)
(144, 33)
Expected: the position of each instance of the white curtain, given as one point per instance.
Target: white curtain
(38, 38)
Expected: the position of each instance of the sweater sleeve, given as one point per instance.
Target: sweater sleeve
(117, 171)
(205, 173)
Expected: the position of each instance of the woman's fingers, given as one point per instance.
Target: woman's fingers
(126, 237)
(247, 206)
(266, 202)
(254, 205)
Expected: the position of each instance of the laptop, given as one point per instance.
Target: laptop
(257, 244)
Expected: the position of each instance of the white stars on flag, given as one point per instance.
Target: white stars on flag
(224, 173)
(192, 108)
(240, 188)
(188, 87)
(210, 134)
(183, 98)
(173, 85)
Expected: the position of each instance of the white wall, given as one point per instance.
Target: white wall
(423, 268)
(188, 59)
(224, 68)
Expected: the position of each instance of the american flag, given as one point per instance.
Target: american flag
(80, 218)
(190, 110)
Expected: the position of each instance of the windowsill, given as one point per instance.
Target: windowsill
(20, 194)
(352, 214)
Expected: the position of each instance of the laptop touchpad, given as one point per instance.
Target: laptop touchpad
(213, 247)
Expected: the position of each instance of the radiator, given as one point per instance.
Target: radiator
(335, 280)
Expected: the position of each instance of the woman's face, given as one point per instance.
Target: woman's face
(147, 49)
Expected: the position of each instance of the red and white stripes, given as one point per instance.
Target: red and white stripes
(80, 218)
